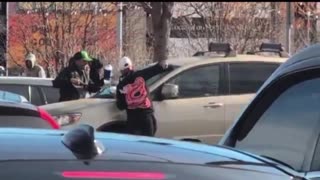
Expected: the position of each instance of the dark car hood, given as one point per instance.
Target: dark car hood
(15, 145)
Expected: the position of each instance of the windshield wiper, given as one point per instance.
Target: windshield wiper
(277, 161)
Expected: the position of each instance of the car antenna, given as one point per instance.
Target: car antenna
(81, 142)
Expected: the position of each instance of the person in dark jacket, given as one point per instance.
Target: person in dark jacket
(96, 76)
(132, 95)
(73, 81)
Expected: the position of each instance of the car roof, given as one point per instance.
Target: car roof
(181, 61)
(26, 80)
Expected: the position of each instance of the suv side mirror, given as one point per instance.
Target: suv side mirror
(170, 91)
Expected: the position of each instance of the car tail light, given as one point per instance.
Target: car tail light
(47, 117)
(67, 119)
(114, 175)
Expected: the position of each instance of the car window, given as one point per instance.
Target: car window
(198, 82)
(107, 93)
(249, 77)
(36, 98)
(155, 78)
(286, 128)
(17, 89)
(52, 94)
(9, 96)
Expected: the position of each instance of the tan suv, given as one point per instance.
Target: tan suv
(199, 99)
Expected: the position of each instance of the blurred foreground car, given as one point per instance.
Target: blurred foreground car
(283, 120)
(199, 98)
(14, 114)
(83, 154)
(38, 91)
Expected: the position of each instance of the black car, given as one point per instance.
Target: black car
(283, 121)
(16, 114)
(82, 154)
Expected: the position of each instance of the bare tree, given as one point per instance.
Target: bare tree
(305, 26)
(134, 44)
(54, 31)
(161, 14)
(242, 24)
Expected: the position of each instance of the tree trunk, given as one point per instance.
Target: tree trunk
(161, 20)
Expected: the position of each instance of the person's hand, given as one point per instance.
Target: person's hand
(75, 81)
(164, 64)
(87, 69)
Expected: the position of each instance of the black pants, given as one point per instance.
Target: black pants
(144, 124)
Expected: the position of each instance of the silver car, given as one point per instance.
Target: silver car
(38, 91)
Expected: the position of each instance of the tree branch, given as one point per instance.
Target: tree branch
(146, 6)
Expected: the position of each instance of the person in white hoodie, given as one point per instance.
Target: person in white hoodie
(32, 68)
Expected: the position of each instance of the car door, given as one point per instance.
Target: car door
(198, 112)
(36, 96)
(50, 94)
(245, 78)
(22, 90)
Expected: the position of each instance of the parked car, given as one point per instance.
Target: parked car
(282, 121)
(83, 154)
(15, 114)
(212, 92)
(9, 96)
(38, 91)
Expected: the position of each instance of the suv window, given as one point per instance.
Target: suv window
(198, 82)
(292, 118)
(18, 89)
(52, 94)
(248, 77)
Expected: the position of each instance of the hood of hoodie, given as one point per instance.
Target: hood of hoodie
(31, 57)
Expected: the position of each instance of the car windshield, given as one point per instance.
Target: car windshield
(293, 120)
(108, 91)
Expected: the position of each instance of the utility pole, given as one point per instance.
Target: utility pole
(7, 37)
(120, 29)
(308, 27)
(95, 27)
(289, 27)
(273, 19)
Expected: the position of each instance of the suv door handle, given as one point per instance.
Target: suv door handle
(213, 105)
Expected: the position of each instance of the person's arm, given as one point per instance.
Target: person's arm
(62, 80)
(149, 72)
(96, 81)
(120, 100)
